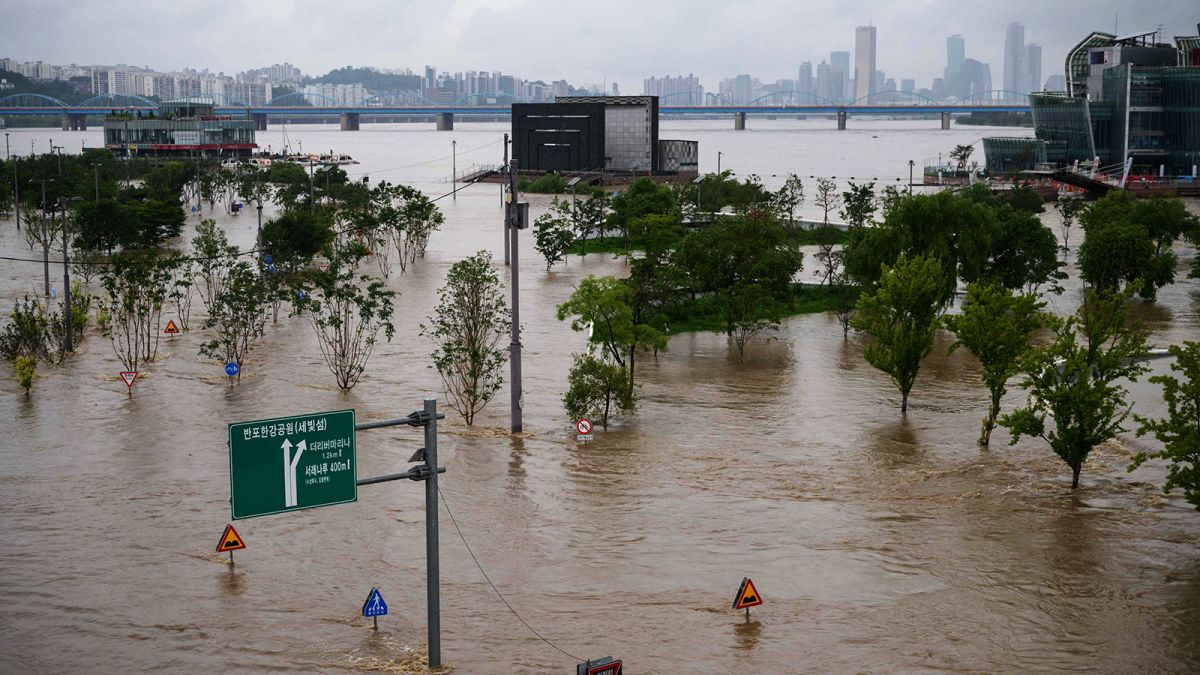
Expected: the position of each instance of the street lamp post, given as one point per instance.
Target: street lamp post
(718, 162)
(910, 176)
(96, 178)
(454, 170)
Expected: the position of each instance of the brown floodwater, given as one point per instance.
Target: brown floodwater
(880, 543)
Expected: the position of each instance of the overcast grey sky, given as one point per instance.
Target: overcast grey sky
(584, 42)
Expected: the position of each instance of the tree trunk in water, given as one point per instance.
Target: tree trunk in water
(903, 402)
(1075, 474)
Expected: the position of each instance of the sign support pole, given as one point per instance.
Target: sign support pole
(512, 218)
(433, 594)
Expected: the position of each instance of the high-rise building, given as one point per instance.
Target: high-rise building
(1033, 66)
(864, 61)
(908, 84)
(743, 89)
(1014, 59)
(675, 91)
(430, 77)
(839, 75)
(804, 83)
(822, 88)
(956, 54)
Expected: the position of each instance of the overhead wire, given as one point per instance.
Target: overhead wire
(489, 581)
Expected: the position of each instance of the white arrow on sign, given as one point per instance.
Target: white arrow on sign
(289, 470)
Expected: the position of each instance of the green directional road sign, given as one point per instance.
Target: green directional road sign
(292, 463)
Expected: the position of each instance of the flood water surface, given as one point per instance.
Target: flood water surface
(879, 543)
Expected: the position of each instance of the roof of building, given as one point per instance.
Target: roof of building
(606, 100)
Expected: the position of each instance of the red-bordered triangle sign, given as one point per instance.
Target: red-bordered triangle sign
(171, 328)
(129, 376)
(747, 595)
(230, 540)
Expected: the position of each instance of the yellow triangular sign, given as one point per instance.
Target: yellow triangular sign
(230, 540)
(747, 595)
(171, 328)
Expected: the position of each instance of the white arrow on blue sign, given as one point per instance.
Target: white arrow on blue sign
(374, 606)
(231, 369)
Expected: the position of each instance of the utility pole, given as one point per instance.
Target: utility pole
(45, 236)
(508, 168)
(454, 170)
(718, 162)
(16, 193)
(96, 178)
(312, 205)
(70, 327)
(432, 573)
(513, 221)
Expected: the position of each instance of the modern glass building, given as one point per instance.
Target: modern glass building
(1129, 98)
(180, 129)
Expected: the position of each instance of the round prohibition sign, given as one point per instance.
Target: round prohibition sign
(584, 426)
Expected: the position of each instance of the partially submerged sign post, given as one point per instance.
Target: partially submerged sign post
(292, 463)
(230, 541)
(374, 607)
(171, 328)
(129, 376)
(747, 596)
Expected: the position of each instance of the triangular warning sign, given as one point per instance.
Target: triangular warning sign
(747, 595)
(129, 376)
(171, 328)
(230, 540)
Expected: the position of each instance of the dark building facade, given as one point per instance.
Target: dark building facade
(181, 128)
(609, 134)
(558, 137)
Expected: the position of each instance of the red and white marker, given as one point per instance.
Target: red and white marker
(129, 376)
(584, 426)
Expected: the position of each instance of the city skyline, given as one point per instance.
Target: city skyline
(463, 36)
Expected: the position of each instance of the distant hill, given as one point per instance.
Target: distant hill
(64, 91)
(369, 78)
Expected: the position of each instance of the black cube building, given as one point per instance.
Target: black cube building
(558, 137)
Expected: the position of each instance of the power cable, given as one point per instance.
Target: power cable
(489, 581)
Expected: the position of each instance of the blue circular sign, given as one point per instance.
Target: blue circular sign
(231, 369)
(301, 294)
(267, 258)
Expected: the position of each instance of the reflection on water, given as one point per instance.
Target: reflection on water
(881, 542)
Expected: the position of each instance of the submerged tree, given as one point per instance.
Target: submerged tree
(902, 317)
(1075, 380)
(137, 285)
(596, 385)
(347, 311)
(213, 256)
(469, 326)
(553, 234)
(1179, 431)
(1069, 210)
(237, 316)
(995, 325)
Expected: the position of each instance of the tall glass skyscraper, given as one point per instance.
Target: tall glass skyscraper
(864, 62)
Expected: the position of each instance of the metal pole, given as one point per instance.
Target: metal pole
(718, 162)
(45, 239)
(66, 281)
(16, 194)
(6, 146)
(910, 183)
(433, 592)
(514, 356)
(96, 178)
(513, 181)
(454, 170)
(312, 205)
